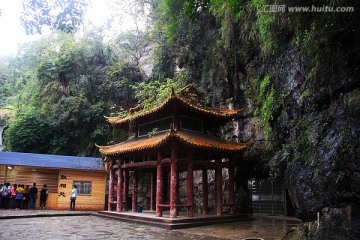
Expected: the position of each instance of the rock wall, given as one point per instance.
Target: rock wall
(315, 139)
(317, 154)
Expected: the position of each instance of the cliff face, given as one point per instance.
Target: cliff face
(318, 158)
(297, 77)
(315, 135)
(314, 138)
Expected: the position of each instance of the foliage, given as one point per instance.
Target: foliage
(63, 15)
(73, 83)
(61, 63)
(150, 94)
(31, 123)
(269, 103)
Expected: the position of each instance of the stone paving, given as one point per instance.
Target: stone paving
(49, 224)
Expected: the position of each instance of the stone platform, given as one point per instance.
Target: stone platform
(182, 221)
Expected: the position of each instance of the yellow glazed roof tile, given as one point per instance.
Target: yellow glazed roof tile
(192, 139)
(221, 113)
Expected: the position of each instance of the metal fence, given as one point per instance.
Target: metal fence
(268, 197)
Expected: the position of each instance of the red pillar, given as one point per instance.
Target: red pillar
(190, 185)
(152, 192)
(111, 185)
(231, 169)
(126, 189)
(159, 186)
(119, 196)
(135, 191)
(177, 193)
(205, 191)
(173, 182)
(218, 186)
(165, 184)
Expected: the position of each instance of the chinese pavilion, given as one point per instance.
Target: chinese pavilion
(172, 137)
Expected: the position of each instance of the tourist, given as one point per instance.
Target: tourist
(73, 198)
(12, 196)
(19, 196)
(5, 191)
(33, 195)
(43, 195)
(25, 200)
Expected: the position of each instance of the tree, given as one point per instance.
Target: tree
(63, 15)
(29, 132)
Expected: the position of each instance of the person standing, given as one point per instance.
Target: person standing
(33, 195)
(25, 201)
(12, 196)
(43, 195)
(73, 198)
(5, 191)
(19, 196)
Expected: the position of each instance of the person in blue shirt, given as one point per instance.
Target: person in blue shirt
(73, 198)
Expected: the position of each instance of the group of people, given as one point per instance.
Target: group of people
(19, 196)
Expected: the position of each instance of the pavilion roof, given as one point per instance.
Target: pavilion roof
(192, 139)
(183, 101)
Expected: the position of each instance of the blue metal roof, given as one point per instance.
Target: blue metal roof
(51, 161)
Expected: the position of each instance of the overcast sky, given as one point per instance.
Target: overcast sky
(12, 33)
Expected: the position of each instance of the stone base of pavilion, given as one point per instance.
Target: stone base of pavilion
(182, 221)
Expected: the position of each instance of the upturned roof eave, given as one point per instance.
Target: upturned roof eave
(216, 113)
(216, 144)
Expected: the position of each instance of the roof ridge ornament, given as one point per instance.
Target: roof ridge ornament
(135, 109)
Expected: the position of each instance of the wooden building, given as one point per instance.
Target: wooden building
(173, 137)
(59, 173)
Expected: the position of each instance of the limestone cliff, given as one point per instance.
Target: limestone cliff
(297, 77)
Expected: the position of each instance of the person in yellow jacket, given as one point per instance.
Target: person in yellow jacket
(19, 196)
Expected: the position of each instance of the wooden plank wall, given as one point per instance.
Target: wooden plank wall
(94, 201)
(25, 175)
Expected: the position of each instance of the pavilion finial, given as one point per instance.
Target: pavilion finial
(172, 129)
(172, 91)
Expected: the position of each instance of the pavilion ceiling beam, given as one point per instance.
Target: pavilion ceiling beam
(140, 165)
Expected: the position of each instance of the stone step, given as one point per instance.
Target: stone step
(176, 223)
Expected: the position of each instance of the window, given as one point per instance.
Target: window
(192, 124)
(156, 126)
(83, 187)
